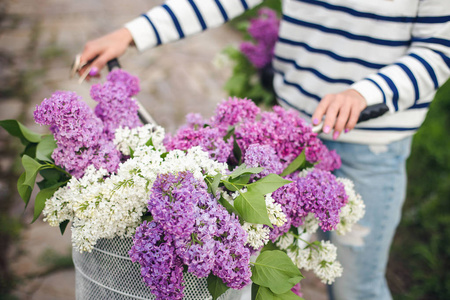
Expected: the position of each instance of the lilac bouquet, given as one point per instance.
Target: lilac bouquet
(229, 198)
(264, 31)
(252, 62)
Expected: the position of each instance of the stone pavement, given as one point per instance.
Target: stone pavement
(38, 39)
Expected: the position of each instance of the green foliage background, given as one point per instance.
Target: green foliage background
(420, 260)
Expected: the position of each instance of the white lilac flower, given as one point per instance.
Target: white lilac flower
(276, 215)
(305, 172)
(58, 208)
(102, 207)
(353, 211)
(328, 272)
(127, 139)
(258, 234)
(285, 241)
(319, 258)
(303, 258)
(226, 195)
(310, 224)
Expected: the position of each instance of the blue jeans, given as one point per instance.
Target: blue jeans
(379, 175)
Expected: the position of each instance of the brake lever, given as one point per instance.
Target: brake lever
(370, 112)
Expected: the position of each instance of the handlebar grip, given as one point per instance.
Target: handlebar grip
(372, 112)
(112, 64)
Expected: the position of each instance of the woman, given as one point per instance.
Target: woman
(332, 59)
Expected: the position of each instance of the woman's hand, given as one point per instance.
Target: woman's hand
(99, 51)
(341, 111)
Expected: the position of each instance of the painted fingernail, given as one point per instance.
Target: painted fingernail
(335, 135)
(315, 121)
(326, 129)
(93, 71)
(346, 130)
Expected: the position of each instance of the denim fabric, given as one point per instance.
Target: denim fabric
(379, 175)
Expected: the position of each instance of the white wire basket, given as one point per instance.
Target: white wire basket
(108, 273)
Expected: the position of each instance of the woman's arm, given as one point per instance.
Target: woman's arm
(173, 20)
(413, 77)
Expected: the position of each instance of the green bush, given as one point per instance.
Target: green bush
(421, 251)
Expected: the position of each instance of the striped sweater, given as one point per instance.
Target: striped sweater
(391, 51)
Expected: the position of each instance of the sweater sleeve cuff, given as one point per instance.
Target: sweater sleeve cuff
(142, 32)
(369, 90)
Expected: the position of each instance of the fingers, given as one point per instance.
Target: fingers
(321, 109)
(98, 52)
(342, 118)
(341, 111)
(354, 116)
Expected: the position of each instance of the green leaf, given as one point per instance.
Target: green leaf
(267, 184)
(269, 246)
(216, 287)
(236, 178)
(276, 271)
(262, 293)
(45, 148)
(237, 183)
(239, 169)
(147, 218)
(214, 183)
(297, 163)
(289, 295)
(41, 197)
(237, 152)
(255, 288)
(229, 133)
(30, 150)
(242, 169)
(24, 190)
(51, 177)
(17, 129)
(62, 226)
(31, 167)
(150, 143)
(230, 187)
(230, 208)
(252, 208)
(236, 84)
(131, 152)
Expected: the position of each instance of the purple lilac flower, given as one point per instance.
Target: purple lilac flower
(287, 133)
(195, 120)
(196, 229)
(115, 106)
(257, 155)
(283, 130)
(297, 289)
(198, 253)
(322, 195)
(174, 202)
(318, 192)
(264, 31)
(208, 138)
(328, 160)
(161, 268)
(121, 76)
(232, 263)
(78, 134)
(233, 111)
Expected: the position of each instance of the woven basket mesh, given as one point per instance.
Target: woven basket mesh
(108, 273)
